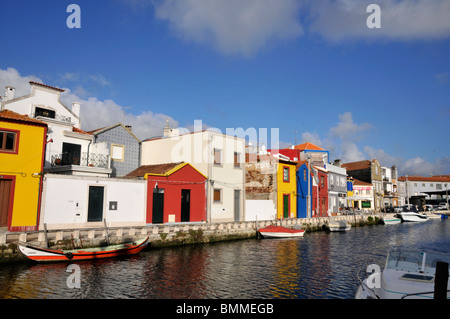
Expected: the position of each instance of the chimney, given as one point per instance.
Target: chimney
(128, 127)
(76, 108)
(337, 162)
(9, 93)
(167, 129)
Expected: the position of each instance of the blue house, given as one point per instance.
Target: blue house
(302, 189)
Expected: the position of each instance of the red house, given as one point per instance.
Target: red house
(320, 193)
(176, 192)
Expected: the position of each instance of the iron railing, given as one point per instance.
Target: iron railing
(91, 159)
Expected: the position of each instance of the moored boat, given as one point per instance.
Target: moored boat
(407, 274)
(412, 216)
(340, 225)
(40, 254)
(391, 221)
(273, 231)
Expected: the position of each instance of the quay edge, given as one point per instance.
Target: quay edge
(163, 235)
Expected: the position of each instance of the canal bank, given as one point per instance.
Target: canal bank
(162, 235)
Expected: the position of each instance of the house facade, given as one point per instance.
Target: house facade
(306, 185)
(73, 201)
(219, 157)
(286, 189)
(337, 187)
(363, 195)
(123, 145)
(176, 193)
(70, 150)
(368, 171)
(22, 151)
(420, 190)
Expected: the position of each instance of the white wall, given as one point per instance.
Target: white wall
(259, 210)
(65, 201)
(198, 149)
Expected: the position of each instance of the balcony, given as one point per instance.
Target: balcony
(70, 164)
(91, 160)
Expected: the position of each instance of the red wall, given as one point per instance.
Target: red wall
(321, 209)
(185, 178)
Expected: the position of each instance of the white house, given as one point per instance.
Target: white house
(69, 149)
(219, 157)
(84, 201)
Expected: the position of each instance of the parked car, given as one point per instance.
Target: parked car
(442, 206)
(398, 209)
(428, 207)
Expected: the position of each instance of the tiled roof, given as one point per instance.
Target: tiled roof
(46, 86)
(10, 115)
(77, 130)
(440, 178)
(353, 166)
(152, 169)
(357, 182)
(308, 146)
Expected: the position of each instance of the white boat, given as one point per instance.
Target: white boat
(340, 225)
(406, 274)
(391, 221)
(273, 231)
(412, 216)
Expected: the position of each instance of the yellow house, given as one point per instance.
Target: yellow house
(286, 190)
(22, 153)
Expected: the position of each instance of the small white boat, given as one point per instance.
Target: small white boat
(273, 231)
(340, 225)
(412, 216)
(391, 221)
(406, 274)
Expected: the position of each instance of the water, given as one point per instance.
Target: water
(318, 266)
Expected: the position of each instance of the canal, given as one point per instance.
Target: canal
(318, 266)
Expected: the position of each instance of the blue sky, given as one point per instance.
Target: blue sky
(312, 69)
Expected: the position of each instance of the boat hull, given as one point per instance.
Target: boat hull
(280, 232)
(340, 226)
(412, 217)
(391, 221)
(54, 255)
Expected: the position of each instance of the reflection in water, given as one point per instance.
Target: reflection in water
(319, 265)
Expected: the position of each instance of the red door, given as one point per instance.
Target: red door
(5, 196)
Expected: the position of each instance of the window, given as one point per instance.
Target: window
(237, 160)
(9, 141)
(321, 181)
(304, 174)
(217, 157)
(117, 152)
(285, 174)
(217, 195)
(44, 112)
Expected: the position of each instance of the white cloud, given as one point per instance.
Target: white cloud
(343, 139)
(338, 20)
(232, 26)
(94, 113)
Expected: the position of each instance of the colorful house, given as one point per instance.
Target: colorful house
(318, 191)
(22, 153)
(176, 192)
(302, 189)
(286, 190)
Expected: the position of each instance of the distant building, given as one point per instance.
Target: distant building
(369, 172)
(420, 190)
(337, 186)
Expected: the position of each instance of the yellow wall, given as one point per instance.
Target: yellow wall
(23, 165)
(286, 188)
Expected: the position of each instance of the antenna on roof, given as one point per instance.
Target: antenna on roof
(123, 108)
